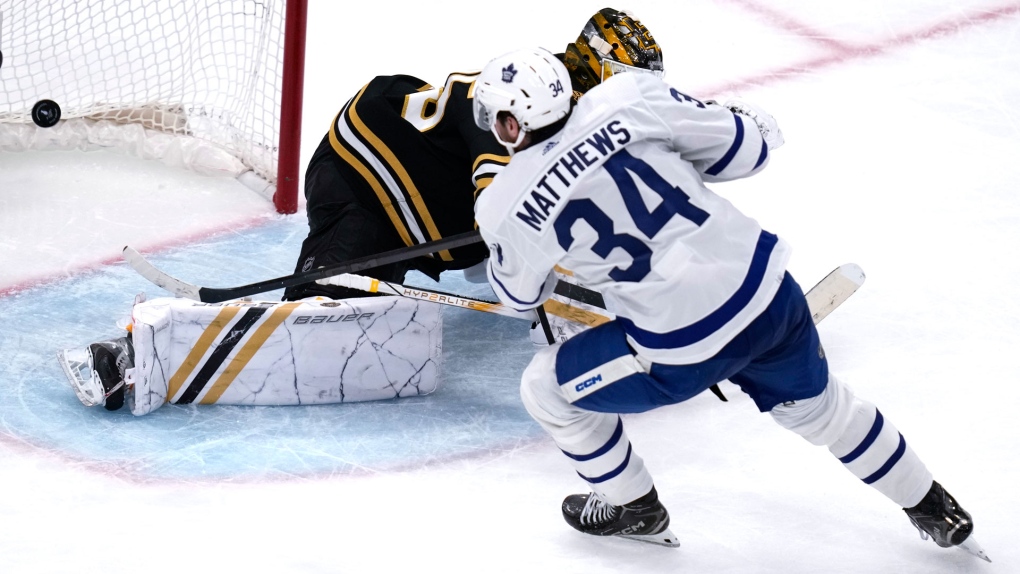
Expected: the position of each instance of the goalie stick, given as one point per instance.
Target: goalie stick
(217, 295)
(214, 295)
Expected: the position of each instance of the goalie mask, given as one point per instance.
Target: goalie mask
(611, 42)
(532, 85)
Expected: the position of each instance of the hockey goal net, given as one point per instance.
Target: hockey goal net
(211, 85)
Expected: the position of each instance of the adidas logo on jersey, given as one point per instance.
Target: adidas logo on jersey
(549, 146)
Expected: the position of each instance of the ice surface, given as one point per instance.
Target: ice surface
(902, 142)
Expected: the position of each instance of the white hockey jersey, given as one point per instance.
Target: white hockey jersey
(618, 197)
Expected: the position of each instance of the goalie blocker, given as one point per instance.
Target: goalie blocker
(272, 353)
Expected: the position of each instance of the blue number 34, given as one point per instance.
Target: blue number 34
(674, 202)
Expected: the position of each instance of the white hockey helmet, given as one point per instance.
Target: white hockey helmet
(530, 84)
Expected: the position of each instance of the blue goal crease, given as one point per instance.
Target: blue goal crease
(476, 409)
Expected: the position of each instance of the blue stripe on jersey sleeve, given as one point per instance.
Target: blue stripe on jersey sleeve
(521, 303)
(738, 140)
(762, 156)
(699, 330)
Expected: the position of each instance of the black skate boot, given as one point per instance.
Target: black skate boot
(110, 360)
(644, 519)
(97, 372)
(939, 516)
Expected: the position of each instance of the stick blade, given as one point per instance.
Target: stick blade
(833, 289)
(159, 278)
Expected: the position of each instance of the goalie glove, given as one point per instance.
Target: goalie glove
(767, 124)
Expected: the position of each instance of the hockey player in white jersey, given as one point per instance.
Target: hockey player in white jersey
(614, 190)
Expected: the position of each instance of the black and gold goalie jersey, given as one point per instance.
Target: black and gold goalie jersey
(415, 152)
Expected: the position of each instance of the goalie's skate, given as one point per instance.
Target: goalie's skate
(644, 520)
(96, 373)
(941, 518)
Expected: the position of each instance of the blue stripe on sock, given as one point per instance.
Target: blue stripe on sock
(604, 449)
(889, 463)
(611, 474)
(868, 440)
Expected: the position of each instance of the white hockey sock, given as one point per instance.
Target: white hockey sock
(875, 451)
(862, 439)
(595, 443)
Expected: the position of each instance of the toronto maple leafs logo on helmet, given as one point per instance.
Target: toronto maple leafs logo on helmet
(508, 73)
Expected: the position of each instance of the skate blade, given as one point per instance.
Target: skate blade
(971, 546)
(77, 363)
(664, 538)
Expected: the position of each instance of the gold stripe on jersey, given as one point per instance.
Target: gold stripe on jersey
(369, 176)
(244, 356)
(485, 169)
(388, 157)
(482, 184)
(500, 160)
(205, 341)
(613, 39)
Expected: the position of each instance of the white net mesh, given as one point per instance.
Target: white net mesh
(208, 69)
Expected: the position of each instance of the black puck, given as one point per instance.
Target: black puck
(1, 59)
(46, 113)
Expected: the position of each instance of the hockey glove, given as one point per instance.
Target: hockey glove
(767, 124)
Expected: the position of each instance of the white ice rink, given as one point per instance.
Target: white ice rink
(903, 156)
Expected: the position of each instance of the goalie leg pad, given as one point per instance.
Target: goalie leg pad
(315, 351)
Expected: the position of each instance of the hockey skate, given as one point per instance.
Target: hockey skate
(644, 519)
(97, 372)
(940, 517)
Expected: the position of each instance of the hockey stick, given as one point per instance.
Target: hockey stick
(824, 297)
(371, 285)
(218, 295)
(833, 289)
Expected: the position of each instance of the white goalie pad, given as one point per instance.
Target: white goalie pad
(283, 353)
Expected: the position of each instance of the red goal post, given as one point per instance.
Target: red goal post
(211, 85)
